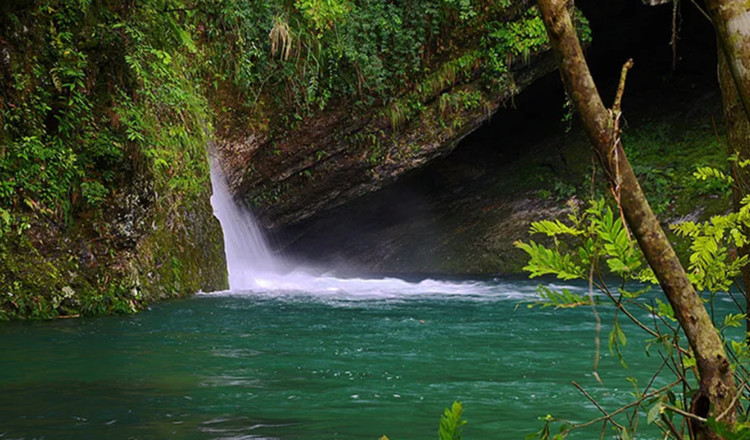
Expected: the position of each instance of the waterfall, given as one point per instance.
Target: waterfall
(254, 269)
(249, 258)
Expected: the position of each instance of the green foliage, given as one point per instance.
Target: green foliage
(735, 320)
(370, 54)
(366, 52)
(665, 157)
(582, 27)
(740, 431)
(61, 139)
(596, 235)
(704, 173)
(507, 41)
(94, 192)
(324, 14)
(102, 101)
(545, 433)
(554, 228)
(451, 423)
(616, 340)
(563, 299)
(713, 264)
(545, 261)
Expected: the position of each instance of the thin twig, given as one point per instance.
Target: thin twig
(616, 108)
(705, 14)
(623, 408)
(737, 303)
(655, 375)
(671, 368)
(614, 160)
(672, 428)
(675, 6)
(733, 403)
(684, 413)
(603, 411)
(630, 315)
(597, 341)
(634, 420)
(603, 287)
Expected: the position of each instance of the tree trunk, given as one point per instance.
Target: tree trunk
(731, 20)
(732, 23)
(716, 379)
(738, 138)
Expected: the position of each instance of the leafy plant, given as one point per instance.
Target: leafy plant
(94, 192)
(594, 244)
(451, 423)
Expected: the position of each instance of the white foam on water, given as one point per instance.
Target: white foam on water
(327, 286)
(255, 270)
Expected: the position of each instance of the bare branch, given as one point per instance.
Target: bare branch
(630, 405)
(592, 400)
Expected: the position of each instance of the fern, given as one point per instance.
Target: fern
(705, 173)
(633, 294)
(735, 319)
(622, 258)
(451, 423)
(686, 229)
(562, 299)
(546, 261)
(553, 228)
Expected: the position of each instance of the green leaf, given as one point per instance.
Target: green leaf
(704, 173)
(665, 310)
(741, 431)
(624, 434)
(563, 299)
(553, 228)
(616, 339)
(688, 362)
(451, 423)
(635, 294)
(654, 412)
(735, 320)
(546, 261)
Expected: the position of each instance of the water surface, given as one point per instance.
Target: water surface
(350, 359)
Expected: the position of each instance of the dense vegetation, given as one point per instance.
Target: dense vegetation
(103, 138)
(310, 54)
(106, 109)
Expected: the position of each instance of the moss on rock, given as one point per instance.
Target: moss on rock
(104, 193)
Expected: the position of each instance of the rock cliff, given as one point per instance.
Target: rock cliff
(326, 158)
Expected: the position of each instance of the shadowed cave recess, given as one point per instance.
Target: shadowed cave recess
(460, 214)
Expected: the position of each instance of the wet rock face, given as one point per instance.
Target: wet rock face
(457, 215)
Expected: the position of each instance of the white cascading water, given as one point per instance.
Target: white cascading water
(254, 269)
(249, 258)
